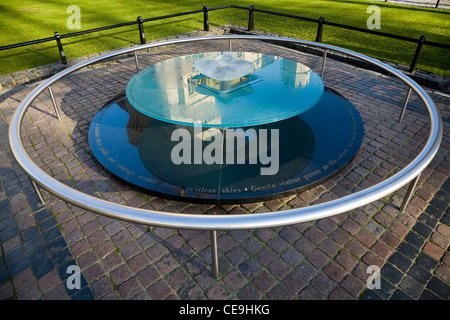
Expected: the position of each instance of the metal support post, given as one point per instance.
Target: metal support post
(136, 61)
(60, 48)
(141, 30)
(408, 194)
(405, 103)
(214, 256)
(38, 192)
(412, 68)
(251, 17)
(205, 19)
(323, 63)
(320, 29)
(52, 97)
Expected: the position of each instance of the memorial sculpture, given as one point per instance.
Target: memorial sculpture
(226, 127)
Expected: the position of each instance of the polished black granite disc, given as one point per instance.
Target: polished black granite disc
(302, 151)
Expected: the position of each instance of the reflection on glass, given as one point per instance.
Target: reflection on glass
(225, 67)
(174, 91)
(295, 74)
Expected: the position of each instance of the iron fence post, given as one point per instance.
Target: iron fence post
(141, 30)
(412, 68)
(205, 19)
(60, 48)
(437, 4)
(251, 17)
(320, 29)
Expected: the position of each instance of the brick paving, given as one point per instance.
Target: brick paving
(323, 259)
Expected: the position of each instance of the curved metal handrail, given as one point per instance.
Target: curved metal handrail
(227, 222)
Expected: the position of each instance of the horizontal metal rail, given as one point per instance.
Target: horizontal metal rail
(343, 26)
(68, 35)
(79, 33)
(339, 25)
(378, 33)
(286, 15)
(437, 44)
(173, 15)
(238, 221)
(27, 43)
(119, 25)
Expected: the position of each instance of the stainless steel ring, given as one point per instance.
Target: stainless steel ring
(227, 222)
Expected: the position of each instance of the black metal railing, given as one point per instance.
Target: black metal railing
(435, 5)
(251, 22)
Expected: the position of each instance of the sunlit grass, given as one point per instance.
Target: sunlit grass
(28, 20)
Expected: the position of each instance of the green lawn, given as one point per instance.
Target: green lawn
(28, 20)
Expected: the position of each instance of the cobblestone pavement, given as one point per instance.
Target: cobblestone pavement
(323, 259)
